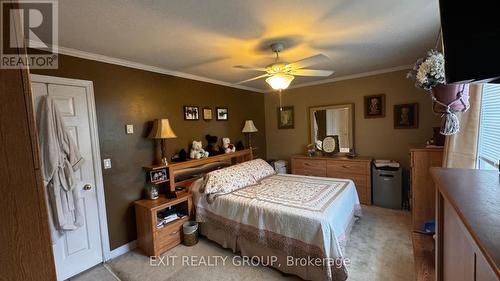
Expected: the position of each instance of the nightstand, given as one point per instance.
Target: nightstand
(155, 240)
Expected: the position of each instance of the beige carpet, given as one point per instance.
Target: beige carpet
(379, 249)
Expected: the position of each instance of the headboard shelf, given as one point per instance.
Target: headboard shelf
(234, 157)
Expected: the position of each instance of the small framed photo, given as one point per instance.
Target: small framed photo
(207, 113)
(222, 114)
(157, 176)
(285, 117)
(375, 106)
(406, 116)
(191, 113)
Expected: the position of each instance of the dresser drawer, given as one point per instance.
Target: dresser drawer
(309, 167)
(335, 168)
(168, 236)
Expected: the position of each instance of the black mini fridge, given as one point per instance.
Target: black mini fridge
(387, 187)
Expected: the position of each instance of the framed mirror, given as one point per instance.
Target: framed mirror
(333, 120)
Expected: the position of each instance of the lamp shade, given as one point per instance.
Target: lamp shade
(249, 127)
(161, 130)
(280, 81)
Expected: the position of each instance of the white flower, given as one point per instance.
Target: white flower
(422, 73)
(429, 72)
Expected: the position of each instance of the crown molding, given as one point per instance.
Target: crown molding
(136, 65)
(351, 76)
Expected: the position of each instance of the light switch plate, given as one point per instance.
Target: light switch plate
(107, 163)
(130, 129)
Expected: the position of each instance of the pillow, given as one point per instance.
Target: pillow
(227, 180)
(258, 168)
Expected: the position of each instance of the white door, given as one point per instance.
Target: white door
(77, 250)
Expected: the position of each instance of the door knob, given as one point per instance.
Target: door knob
(87, 187)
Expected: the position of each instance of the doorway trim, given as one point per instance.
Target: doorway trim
(96, 153)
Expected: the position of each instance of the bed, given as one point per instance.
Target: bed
(296, 224)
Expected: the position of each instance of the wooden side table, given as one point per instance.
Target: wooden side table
(153, 240)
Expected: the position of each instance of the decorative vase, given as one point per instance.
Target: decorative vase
(447, 100)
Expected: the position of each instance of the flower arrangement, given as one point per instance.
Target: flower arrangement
(428, 72)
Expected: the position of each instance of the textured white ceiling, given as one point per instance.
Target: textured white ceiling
(207, 37)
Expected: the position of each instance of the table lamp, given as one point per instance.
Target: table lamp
(161, 130)
(248, 129)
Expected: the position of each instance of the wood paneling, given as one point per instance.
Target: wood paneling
(26, 252)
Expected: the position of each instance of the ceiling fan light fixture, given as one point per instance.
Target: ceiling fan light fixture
(280, 81)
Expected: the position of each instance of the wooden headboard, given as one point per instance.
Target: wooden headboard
(234, 157)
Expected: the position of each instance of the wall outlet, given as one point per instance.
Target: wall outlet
(129, 129)
(107, 163)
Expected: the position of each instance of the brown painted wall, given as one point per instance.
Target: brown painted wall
(373, 137)
(130, 96)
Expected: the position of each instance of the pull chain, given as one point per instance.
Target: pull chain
(438, 40)
(279, 94)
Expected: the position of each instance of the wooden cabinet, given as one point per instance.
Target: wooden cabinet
(153, 240)
(422, 187)
(356, 169)
(468, 225)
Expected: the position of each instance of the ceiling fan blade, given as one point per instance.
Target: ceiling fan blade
(250, 67)
(255, 78)
(311, 72)
(308, 61)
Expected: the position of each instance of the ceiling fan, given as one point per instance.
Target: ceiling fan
(279, 74)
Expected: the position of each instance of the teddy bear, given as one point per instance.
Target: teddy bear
(227, 145)
(197, 151)
(213, 148)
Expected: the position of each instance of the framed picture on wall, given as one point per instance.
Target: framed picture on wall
(222, 114)
(207, 114)
(191, 113)
(285, 117)
(406, 116)
(375, 106)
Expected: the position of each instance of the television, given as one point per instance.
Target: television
(471, 40)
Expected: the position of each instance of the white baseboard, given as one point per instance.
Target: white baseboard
(122, 250)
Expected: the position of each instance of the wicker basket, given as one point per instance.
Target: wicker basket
(190, 233)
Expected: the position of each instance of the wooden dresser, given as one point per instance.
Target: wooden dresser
(422, 187)
(468, 224)
(357, 169)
